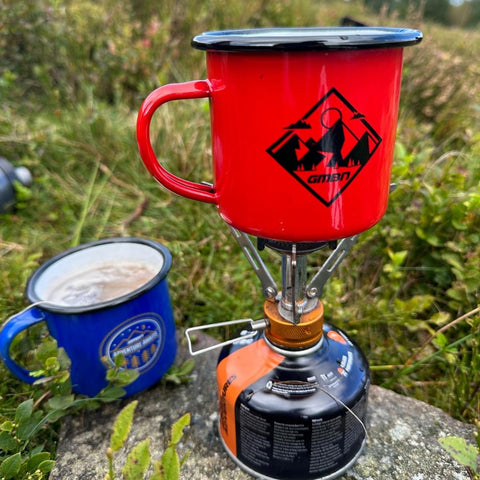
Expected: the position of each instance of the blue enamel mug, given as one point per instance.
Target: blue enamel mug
(99, 300)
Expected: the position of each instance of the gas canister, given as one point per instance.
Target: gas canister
(288, 416)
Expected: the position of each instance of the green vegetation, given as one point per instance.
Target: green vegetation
(72, 77)
(139, 459)
(463, 453)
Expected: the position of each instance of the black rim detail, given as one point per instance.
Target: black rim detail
(307, 39)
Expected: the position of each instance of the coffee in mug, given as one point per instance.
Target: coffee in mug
(102, 283)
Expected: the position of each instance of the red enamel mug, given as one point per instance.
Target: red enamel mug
(303, 127)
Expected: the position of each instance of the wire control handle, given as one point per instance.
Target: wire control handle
(255, 326)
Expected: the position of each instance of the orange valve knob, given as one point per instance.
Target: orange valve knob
(306, 333)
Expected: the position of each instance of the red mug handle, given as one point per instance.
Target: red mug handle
(167, 93)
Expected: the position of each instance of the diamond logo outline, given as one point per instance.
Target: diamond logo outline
(327, 147)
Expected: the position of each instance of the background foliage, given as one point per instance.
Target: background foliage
(72, 76)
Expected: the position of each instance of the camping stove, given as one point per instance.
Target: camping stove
(292, 389)
(303, 131)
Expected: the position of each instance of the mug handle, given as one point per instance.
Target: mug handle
(167, 93)
(12, 327)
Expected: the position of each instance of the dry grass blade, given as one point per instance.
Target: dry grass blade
(438, 332)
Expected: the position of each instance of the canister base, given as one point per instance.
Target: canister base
(255, 474)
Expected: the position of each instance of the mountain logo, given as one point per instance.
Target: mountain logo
(326, 148)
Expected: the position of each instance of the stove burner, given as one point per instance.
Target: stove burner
(303, 248)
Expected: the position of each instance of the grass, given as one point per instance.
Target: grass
(408, 292)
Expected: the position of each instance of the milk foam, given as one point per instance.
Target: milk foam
(101, 283)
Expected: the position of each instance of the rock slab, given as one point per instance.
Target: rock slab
(402, 443)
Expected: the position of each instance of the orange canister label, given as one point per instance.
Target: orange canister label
(235, 373)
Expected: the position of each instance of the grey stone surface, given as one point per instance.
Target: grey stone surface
(402, 444)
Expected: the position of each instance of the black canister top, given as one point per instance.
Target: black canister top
(303, 39)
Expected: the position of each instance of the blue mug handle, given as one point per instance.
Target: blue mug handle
(12, 327)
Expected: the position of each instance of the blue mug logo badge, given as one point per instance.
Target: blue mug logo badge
(139, 339)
